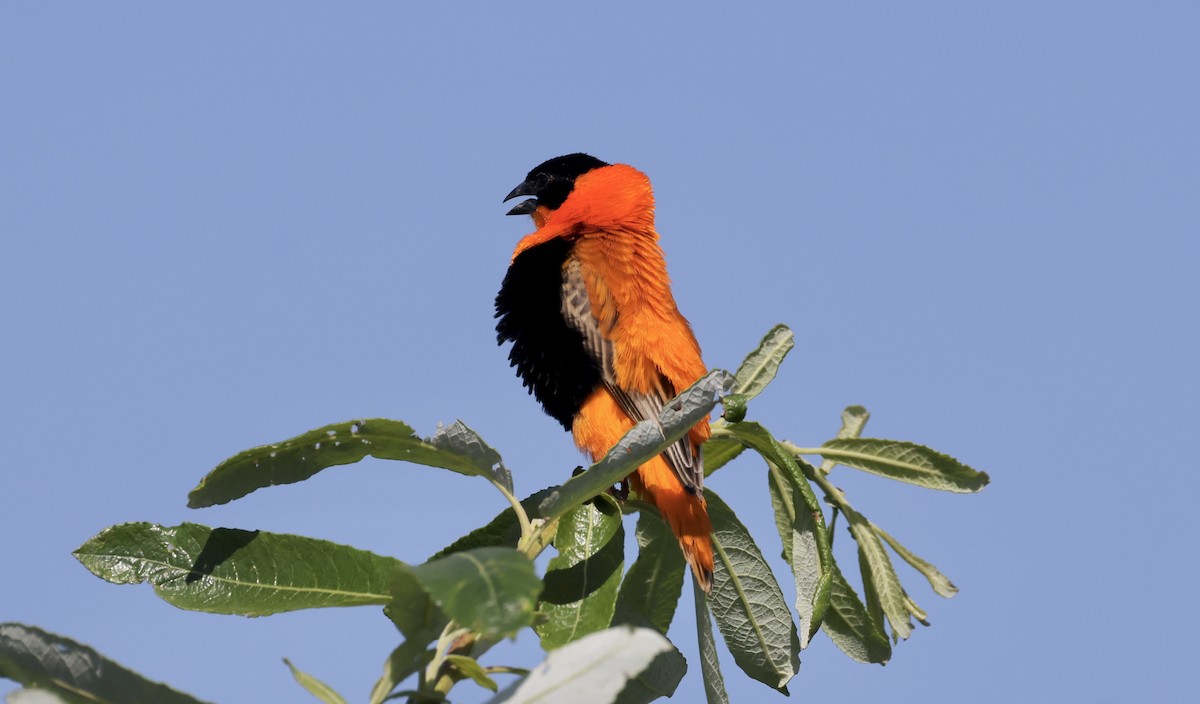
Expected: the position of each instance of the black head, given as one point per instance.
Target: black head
(551, 182)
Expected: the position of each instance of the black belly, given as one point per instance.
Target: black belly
(549, 355)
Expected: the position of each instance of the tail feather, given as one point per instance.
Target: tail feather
(699, 555)
(686, 513)
(597, 426)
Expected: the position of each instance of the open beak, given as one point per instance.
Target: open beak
(525, 207)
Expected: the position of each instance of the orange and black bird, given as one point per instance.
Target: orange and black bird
(596, 335)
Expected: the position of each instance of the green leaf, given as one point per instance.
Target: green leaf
(73, 672)
(760, 366)
(906, 462)
(503, 531)
(412, 609)
(748, 603)
(940, 583)
(870, 593)
(34, 696)
(797, 530)
(471, 669)
(660, 679)
(761, 441)
(879, 574)
(652, 585)
(643, 441)
(850, 627)
(581, 581)
(917, 612)
(252, 573)
(461, 440)
(710, 664)
(315, 687)
(719, 452)
(402, 663)
(854, 419)
(593, 669)
(489, 590)
(299, 458)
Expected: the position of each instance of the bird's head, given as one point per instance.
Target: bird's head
(550, 183)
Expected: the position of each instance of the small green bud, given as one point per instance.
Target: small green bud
(735, 408)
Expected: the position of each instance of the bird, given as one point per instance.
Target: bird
(597, 337)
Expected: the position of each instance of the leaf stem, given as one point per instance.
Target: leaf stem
(833, 495)
(506, 670)
(449, 635)
(793, 449)
(434, 684)
(522, 517)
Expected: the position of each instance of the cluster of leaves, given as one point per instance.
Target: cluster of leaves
(602, 625)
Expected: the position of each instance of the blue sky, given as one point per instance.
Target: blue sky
(223, 226)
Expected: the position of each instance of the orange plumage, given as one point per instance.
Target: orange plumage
(615, 348)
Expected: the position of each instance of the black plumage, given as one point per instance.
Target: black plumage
(550, 356)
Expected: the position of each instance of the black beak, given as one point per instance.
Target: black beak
(525, 207)
(523, 188)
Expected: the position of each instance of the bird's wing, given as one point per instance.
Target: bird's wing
(639, 406)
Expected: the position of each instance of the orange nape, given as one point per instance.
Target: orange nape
(598, 426)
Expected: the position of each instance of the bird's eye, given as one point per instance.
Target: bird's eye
(541, 181)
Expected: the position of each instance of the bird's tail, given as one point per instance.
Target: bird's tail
(685, 512)
(598, 425)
